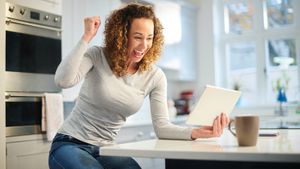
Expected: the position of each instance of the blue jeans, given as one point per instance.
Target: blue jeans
(69, 153)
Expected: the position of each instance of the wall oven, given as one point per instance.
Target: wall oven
(33, 52)
(23, 113)
(33, 49)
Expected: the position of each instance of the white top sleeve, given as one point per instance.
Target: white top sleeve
(159, 111)
(73, 68)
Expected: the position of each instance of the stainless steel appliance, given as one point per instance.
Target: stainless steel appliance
(33, 49)
(33, 52)
(23, 113)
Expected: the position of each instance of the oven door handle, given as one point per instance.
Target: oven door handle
(16, 94)
(8, 21)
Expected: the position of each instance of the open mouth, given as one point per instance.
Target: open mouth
(138, 53)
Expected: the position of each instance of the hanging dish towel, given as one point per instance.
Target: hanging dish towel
(52, 114)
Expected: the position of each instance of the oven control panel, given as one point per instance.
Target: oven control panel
(25, 14)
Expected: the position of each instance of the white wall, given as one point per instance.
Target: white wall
(2, 61)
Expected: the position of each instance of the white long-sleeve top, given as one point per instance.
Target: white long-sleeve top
(105, 100)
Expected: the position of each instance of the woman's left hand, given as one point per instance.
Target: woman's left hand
(215, 130)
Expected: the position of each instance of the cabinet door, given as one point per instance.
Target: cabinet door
(178, 59)
(135, 133)
(150, 163)
(31, 154)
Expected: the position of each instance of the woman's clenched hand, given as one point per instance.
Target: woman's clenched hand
(91, 26)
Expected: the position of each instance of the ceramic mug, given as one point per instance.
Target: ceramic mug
(247, 128)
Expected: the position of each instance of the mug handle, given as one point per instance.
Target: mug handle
(229, 127)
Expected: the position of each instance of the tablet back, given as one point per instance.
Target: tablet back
(213, 101)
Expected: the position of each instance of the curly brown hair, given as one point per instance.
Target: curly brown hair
(117, 27)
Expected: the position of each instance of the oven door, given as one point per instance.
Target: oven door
(33, 53)
(23, 116)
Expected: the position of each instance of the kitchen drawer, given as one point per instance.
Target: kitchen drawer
(28, 154)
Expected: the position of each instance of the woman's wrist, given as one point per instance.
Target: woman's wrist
(193, 134)
(86, 38)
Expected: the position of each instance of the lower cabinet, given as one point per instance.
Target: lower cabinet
(151, 163)
(28, 153)
(31, 152)
(138, 133)
(134, 133)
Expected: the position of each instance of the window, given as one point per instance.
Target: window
(242, 68)
(282, 67)
(278, 13)
(260, 39)
(238, 16)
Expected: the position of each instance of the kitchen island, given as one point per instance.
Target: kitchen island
(282, 151)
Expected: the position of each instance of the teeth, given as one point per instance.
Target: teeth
(138, 52)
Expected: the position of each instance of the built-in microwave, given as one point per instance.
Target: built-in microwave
(33, 49)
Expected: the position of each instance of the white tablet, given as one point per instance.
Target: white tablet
(213, 101)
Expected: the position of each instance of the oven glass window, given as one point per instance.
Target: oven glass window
(32, 54)
(23, 113)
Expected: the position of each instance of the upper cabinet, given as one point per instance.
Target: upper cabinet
(180, 31)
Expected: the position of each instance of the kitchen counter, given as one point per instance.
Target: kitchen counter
(283, 149)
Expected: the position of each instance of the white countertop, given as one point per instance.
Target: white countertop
(282, 148)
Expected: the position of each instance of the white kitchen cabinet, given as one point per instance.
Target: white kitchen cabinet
(135, 133)
(132, 133)
(151, 163)
(31, 152)
(178, 60)
(27, 152)
(138, 133)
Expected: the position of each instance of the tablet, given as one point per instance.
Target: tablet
(213, 101)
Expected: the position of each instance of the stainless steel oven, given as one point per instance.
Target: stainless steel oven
(23, 113)
(33, 49)
(33, 52)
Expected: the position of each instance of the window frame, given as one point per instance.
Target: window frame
(260, 37)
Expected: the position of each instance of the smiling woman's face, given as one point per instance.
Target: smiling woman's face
(140, 39)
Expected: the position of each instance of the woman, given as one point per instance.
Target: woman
(117, 78)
